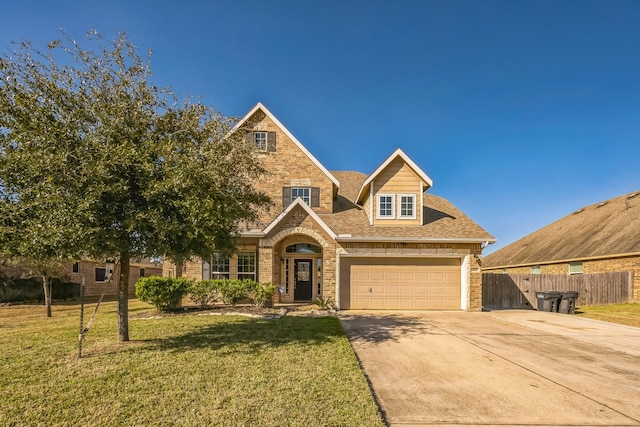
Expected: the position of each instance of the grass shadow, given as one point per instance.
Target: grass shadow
(250, 335)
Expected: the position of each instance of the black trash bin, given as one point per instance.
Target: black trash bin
(548, 300)
(568, 302)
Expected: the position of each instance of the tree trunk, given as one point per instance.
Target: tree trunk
(47, 294)
(179, 264)
(123, 298)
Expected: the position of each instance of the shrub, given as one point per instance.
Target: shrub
(164, 293)
(261, 294)
(233, 291)
(323, 303)
(204, 292)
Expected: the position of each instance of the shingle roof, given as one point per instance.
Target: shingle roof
(611, 227)
(443, 220)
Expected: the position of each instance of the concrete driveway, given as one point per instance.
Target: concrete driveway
(498, 368)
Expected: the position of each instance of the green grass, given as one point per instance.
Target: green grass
(179, 370)
(626, 314)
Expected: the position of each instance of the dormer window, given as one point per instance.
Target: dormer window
(386, 206)
(407, 206)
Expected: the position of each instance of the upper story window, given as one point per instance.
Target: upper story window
(260, 140)
(303, 193)
(142, 272)
(407, 204)
(76, 267)
(263, 140)
(535, 269)
(386, 206)
(575, 268)
(101, 274)
(309, 195)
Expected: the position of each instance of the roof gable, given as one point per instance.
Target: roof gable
(265, 110)
(295, 205)
(395, 155)
(607, 228)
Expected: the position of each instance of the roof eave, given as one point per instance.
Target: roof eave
(560, 261)
(340, 238)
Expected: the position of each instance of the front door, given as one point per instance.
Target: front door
(302, 279)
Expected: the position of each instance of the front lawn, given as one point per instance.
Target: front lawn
(626, 314)
(178, 370)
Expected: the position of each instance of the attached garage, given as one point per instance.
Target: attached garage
(400, 283)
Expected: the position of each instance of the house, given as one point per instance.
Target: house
(376, 241)
(603, 237)
(94, 275)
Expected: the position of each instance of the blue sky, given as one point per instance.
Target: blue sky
(520, 111)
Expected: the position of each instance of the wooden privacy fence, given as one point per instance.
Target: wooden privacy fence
(502, 290)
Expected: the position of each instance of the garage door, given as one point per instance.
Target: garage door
(400, 284)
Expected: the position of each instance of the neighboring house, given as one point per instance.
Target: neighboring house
(600, 238)
(373, 241)
(95, 274)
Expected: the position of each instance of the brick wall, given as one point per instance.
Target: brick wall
(289, 167)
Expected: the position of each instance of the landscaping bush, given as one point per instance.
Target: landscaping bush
(164, 293)
(204, 292)
(261, 294)
(323, 303)
(233, 291)
(18, 289)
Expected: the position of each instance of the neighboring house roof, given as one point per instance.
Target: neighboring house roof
(398, 153)
(607, 228)
(443, 221)
(265, 110)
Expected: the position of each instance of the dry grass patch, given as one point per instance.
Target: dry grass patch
(626, 314)
(179, 370)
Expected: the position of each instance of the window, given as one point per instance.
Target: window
(309, 195)
(101, 274)
(263, 140)
(260, 140)
(408, 206)
(319, 260)
(247, 265)
(535, 269)
(219, 266)
(286, 276)
(76, 267)
(575, 268)
(303, 248)
(142, 272)
(304, 193)
(386, 206)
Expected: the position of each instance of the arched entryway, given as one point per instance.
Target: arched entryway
(301, 270)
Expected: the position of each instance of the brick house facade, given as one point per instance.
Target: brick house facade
(599, 238)
(375, 241)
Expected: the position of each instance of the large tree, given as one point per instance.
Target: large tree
(95, 160)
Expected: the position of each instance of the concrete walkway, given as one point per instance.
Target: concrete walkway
(498, 368)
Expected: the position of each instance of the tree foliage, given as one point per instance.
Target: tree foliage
(96, 160)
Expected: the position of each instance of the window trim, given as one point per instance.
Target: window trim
(214, 270)
(263, 140)
(248, 273)
(576, 264)
(308, 196)
(393, 206)
(413, 210)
